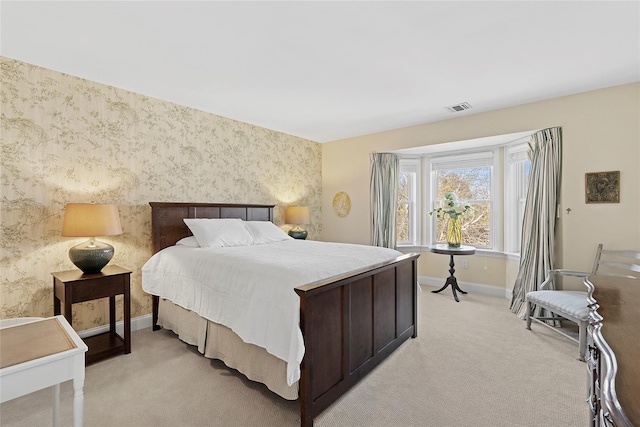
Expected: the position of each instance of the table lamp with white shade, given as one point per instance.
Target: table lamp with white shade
(91, 220)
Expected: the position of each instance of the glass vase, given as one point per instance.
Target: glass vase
(454, 232)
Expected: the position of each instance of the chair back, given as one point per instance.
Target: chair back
(619, 263)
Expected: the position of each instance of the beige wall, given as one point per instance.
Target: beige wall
(600, 133)
(66, 139)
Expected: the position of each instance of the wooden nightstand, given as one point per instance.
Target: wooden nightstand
(74, 286)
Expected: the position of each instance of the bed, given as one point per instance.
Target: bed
(348, 323)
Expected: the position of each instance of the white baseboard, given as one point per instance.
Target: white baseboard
(137, 323)
(478, 288)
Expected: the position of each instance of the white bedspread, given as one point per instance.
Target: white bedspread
(250, 288)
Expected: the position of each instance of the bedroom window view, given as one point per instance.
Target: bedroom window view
(470, 177)
(473, 185)
(406, 207)
(518, 169)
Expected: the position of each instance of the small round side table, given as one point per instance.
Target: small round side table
(445, 249)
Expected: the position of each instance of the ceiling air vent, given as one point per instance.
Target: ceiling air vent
(459, 107)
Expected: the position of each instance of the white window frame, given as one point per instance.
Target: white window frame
(515, 190)
(505, 224)
(412, 167)
(485, 157)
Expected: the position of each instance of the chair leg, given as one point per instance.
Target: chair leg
(529, 313)
(582, 339)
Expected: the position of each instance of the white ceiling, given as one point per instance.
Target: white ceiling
(331, 70)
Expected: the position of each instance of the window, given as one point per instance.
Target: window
(492, 176)
(470, 177)
(517, 167)
(407, 216)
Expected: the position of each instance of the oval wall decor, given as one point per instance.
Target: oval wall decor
(341, 204)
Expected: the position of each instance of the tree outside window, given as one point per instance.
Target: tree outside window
(406, 225)
(473, 185)
(403, 219)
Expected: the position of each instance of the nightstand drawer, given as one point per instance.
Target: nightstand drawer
(99, 288)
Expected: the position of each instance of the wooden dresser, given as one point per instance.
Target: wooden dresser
(613, 351)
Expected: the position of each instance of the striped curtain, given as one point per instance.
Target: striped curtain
(384, 199)
(541, 208)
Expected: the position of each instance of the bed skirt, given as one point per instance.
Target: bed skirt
(216, 341)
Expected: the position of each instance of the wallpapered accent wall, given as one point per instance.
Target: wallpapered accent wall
(66, 139)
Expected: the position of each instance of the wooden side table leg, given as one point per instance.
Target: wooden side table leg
(127, 315)
(452, 281)
(112, 314)
(56, 300)
(68, 297)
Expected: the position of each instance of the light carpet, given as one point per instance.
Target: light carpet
(473, 364)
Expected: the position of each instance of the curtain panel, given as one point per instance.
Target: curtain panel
(539, 223)
(384, 199)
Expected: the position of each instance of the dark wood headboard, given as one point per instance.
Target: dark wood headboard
(167, 223)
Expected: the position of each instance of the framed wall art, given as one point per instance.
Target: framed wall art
(602, 187)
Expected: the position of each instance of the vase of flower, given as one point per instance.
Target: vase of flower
(454, 232)
(452, 209)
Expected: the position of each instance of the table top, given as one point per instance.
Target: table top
(445, 249)
(77, 275)
(40, 340)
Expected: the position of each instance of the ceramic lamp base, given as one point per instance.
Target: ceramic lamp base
(298, 233)
(91, 256)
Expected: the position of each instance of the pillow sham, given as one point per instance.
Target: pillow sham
(188, 241)
(266, 232)
(219, 232)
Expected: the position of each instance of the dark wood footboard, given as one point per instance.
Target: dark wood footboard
(350, 324)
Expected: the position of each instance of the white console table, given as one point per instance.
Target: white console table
(40, 354)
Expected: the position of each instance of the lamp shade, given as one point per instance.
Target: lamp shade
(90, 220)
(297, 215)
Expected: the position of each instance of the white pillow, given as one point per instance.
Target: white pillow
(188, 241)
(266, 232)
(219, 232)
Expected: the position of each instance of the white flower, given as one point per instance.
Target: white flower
(451, 206)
